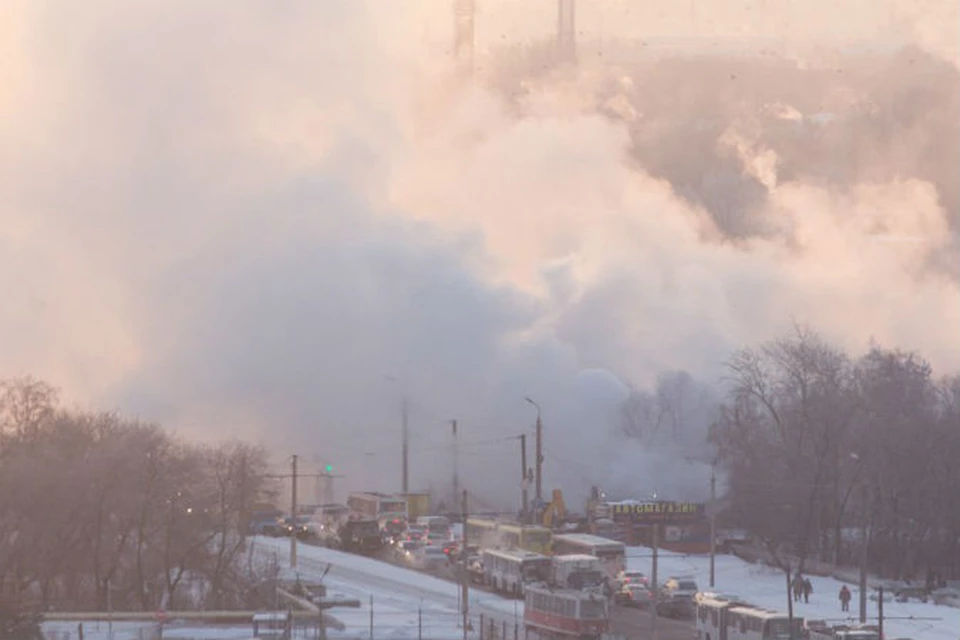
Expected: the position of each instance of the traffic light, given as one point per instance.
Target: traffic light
(328, 468)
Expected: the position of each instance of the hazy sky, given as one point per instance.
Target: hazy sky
(239, 218)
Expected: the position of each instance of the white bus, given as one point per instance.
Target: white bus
(727, 618)
(507, 570)
(612, 554)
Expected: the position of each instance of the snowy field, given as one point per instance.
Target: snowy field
(145, 631)
(405, 603)
(766, 587)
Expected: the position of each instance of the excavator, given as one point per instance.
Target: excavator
(556, 511)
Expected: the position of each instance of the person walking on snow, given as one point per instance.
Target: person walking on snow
(797, 588)
(844, 598)
(807, 590)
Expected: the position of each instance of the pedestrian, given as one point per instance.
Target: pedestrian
(844, 598)
(807, 590)
(797, 588)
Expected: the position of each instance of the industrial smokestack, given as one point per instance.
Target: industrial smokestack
(566, 31)
(463, 32)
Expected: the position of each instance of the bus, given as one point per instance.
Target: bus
(563, 612)
(481, 532)
(612, 554)
(728, 618)
(578, 571)
(488, 533)
(508, 570)
(526, 536)
(381, 507)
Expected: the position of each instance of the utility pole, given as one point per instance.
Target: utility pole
(713, 522)
(863, 555)
(655, 584)
(524, 478)
(293, 512)
(456, 464)
(405, 484)
(789, 599)
(464, 581)
(880, 610)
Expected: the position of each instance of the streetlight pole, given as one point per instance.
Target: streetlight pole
(538, 490)
(405, 448)
(456, 467)
(524, 478)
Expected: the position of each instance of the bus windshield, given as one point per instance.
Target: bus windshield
(535, 570)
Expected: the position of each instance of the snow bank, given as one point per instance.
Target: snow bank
(766, 587)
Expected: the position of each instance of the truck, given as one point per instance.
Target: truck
(418, 505)
(361, 536)
(373, 505)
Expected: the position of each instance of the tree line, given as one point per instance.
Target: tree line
(818, 447)
(97, 509)
(821, 449)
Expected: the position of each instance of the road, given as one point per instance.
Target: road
(634, 623)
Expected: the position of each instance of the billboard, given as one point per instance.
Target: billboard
(657, 512)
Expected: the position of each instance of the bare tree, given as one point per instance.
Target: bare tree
(25, 403)
(787, 417)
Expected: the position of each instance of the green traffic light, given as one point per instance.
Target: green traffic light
(329, 468)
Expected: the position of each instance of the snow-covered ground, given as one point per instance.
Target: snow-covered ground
(145, 631)
(766, 587)
(403, 601)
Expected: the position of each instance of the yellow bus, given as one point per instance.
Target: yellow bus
(488, 533)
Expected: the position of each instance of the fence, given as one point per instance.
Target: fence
(372, 623)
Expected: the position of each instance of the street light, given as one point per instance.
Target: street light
(539, 467)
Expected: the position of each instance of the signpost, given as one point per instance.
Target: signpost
(658, 512)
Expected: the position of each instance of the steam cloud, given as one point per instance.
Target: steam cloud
(240, 220)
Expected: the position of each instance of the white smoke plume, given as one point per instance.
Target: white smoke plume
(273, 222)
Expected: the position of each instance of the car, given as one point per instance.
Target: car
(475, 569)
(626, 576)
(429, 557)
(404, 550)
(677, 598)
(634, 594)
(416, 533)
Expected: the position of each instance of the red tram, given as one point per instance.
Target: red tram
(564, 612)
